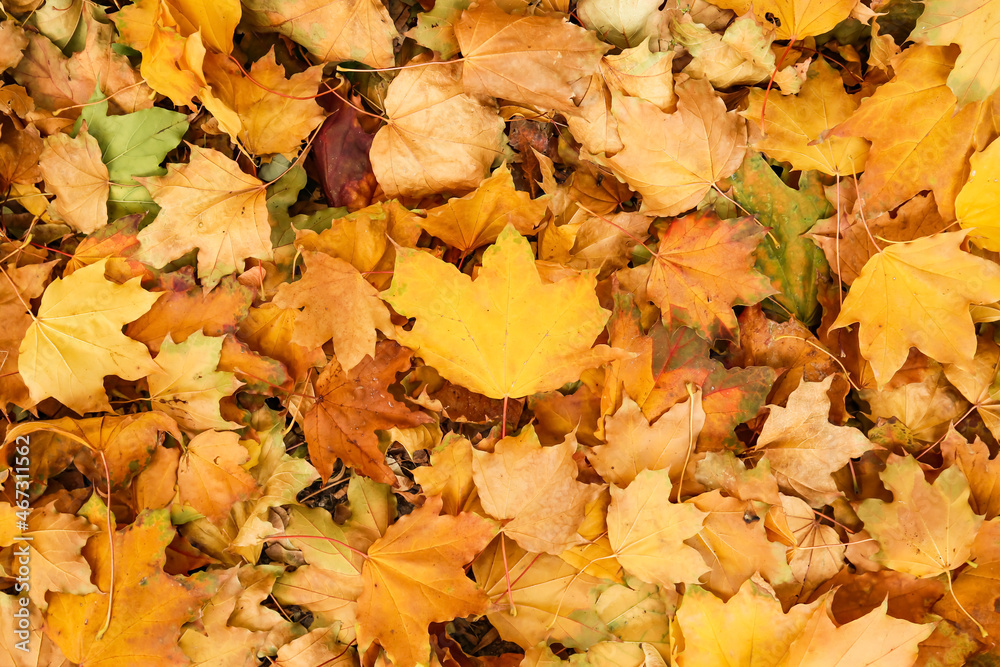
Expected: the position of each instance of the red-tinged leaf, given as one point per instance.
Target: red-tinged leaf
(730, 398)
(340, 155)
(350, 407)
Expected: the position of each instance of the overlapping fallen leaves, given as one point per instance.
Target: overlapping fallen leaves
(512, 333)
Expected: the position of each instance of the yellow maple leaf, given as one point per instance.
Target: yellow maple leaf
(975, 205)
(982, 472)
(804, 448)
(209, 476)
(478, 218)
(971, 24)
(187, 385)
(337, 302)
(263, 111)
(927, 529)
(506, 334)
(702, 267)
(748, 629)
(533, 491)
(918, 294)
(147, 610)
(541, 61)
(74, 171)
(673, 160)
(635, 445)
(76, 339)
(173, 48)
(935, 132)
(874, 639)
(793, 124)
(413, 576)
(436, 138)
(333, 30)
(548, 598)
(209, 204)
(647, 531)
(794, 19)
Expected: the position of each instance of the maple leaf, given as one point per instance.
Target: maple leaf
(921, 399)
(875, 638)
(359, 238)
(20, 148)
(702, 267)
(39, 650)
(790, 260)
(450, 476)
(147, 610)
(478, 218)
(222, 642)
(351, 405)
(974, 591)
(209, 204)
(331, 596)
(263, 111)
(413, 577)
(927, 529)
(360, 30)
(185, 308)
(673, 160)
(741, 55)
(647, 531)
(437, 138)
(621, 22)
(972, 205)
(635, 445)
(804, 448)
(78, 328)
(794, 19)
(320, 646)
(215, 22)
(792, 125)
(532, 490)
(748, 629)
(788, 345)
(638, 72)
(173, 46)
(913, 307)
(125, 443)
(735, 545)
(73, 170)
(637, 614)
(187, 385)
(507, 350)
(269, 330)
(849, 253)
(816, 555)
(968, 24)
(548, 599)
(940, 132)
(540, 61)
(338, 303)
(346, 176)
(54, 551)
(209, 476)
(57, 82)
(14, 41)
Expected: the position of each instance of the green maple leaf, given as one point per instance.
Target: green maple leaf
(792, 262)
